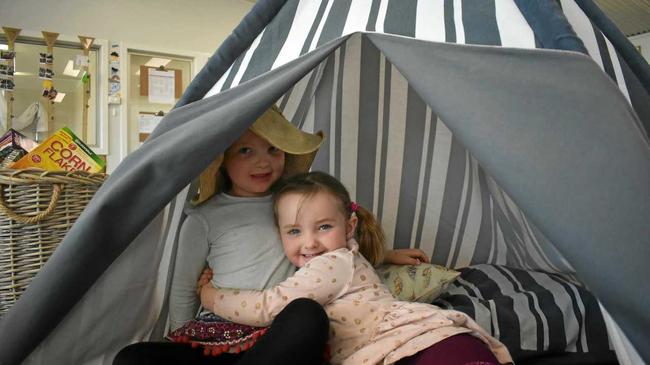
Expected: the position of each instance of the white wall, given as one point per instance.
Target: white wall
(642, 40)
(190, 25)
(193, 28)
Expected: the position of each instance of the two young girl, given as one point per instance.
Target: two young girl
(318, 227)
(234, 231)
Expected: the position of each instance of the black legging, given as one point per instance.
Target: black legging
(297, 336)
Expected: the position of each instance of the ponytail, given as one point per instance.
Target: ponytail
(370, 236)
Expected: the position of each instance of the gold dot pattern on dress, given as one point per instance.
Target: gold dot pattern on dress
(243, 304)
(258, 305)
(236, 292)
(318, 280)
(362, 277)
(333, 280)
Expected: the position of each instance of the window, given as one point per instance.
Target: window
(67, 80)
(139, 102)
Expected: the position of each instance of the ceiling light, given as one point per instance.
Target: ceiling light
(69, 69)
(157, 62)
(59, 97)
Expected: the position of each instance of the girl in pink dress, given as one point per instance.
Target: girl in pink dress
(319, 228)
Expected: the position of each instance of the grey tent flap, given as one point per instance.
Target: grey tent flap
(535, 159)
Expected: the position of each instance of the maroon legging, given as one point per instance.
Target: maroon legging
(460, 349)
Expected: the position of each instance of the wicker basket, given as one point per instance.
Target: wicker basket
(36, 210)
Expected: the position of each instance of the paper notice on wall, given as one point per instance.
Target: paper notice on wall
(81, 61)
(161, 86)
(147, 122)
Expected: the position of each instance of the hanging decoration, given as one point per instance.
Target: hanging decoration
(86, 43)
(114, 80)
(7, 68)
(46, 73)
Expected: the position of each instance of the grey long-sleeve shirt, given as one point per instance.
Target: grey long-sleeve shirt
(240, 242)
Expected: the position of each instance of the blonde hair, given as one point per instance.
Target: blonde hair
(369, 233)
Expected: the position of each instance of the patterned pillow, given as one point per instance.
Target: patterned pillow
(416, 283)
(542, 318)
(212, 330)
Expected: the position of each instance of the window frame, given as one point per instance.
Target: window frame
(101, 79)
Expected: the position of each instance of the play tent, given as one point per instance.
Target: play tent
(508, 137)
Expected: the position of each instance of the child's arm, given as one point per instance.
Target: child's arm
(190, 261)
(405, 256)
(323, 279)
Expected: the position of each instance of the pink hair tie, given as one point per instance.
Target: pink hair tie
(354, 206)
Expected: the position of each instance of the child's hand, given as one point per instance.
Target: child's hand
(405, 256)
(205, 278)
(207, 295)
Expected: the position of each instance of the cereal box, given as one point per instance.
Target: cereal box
(62, 151)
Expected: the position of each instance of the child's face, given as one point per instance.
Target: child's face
(253, 165)
(310, 226)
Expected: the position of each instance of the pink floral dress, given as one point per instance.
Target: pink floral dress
(367, 325)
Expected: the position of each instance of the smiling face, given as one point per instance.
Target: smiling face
(253, 165)
(311, 225)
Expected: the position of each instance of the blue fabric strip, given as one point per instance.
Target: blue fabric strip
(550, 26)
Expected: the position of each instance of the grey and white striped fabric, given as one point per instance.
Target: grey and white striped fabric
(428, 191)
(390, 149)
(313, 23)
(535, 314)
(301, 26)
(398, 159)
